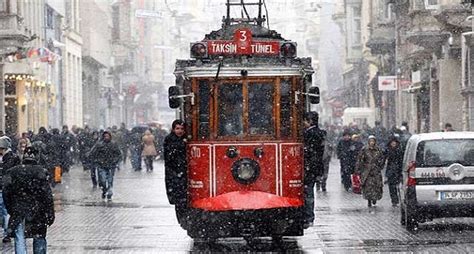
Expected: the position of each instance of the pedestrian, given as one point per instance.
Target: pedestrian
(328, 152)
(29, 201)
(314, 139)
(176, 181)
(344, 154)
(89, 160)
(68, 146)
(448, 127)
(106, 156)
(23, 143)
(149, 150)
(393, 173)
(404, 137)
(355, 148)
(136, 147)
(380, 133)
(122, 141)
(369, 166)
(8, 160)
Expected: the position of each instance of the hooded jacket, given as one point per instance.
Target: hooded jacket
(105, 154)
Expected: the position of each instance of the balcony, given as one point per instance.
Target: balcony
(382, 39)
(11, 35)
(425, 30)
(453, 16)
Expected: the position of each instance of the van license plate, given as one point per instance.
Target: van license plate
(457, 195)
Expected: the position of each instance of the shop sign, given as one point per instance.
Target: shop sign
(387, 83)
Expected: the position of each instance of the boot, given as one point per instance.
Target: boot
(369, 203)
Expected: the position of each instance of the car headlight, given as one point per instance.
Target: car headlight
(245, 171)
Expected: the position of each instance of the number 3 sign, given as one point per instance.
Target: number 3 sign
(243, 40)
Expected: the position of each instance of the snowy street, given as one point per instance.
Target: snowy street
(140, 220)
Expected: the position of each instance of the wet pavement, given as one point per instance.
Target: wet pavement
(140, 220)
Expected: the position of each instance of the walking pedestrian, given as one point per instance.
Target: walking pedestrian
(122, 141)
(149, 150)
(328, 151)
(8, 160)
(370, 165)
(106, 156)
(394, 158)
(313, 162)
(29, 201)
(176, 182)
(68, 145)
(344, 154)
(135, 143)
(89, 160)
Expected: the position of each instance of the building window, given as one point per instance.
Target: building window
(388, 12)
(4, 6)
(49, 18)
(431, 4)
(356, 26)
(116, 22)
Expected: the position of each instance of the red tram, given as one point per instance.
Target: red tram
(243, 96)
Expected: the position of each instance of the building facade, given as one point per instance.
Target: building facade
(96, 32)
(72, 66)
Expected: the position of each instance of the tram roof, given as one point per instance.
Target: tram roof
(232, 67)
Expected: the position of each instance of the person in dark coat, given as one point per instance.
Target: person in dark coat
(135, 144)
(29, 201)
(176, 181)
(8, 160)
(68, 144)
(123, 135)
(106, 156)
(369, 166)
(394, 158)
(344, 154)
(313, 162)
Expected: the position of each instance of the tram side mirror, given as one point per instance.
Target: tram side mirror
(174, 100)
(314, 96)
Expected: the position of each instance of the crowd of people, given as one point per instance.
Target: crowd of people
(363, 155)
(29, 166)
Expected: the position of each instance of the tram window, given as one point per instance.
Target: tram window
(230, 109)
(285, 108)
(261, 109)
(204, 97)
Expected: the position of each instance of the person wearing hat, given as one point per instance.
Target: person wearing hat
(106, 155)
(8, 160)
(29, 201)
(369, 166)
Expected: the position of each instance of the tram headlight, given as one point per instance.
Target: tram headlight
(288, 49)
(198, 50)
(246, 171)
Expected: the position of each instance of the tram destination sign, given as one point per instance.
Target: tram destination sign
(243, 45)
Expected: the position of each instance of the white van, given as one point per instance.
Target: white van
(358, 116)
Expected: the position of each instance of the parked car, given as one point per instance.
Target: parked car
(438, 177)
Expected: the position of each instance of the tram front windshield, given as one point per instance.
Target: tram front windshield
(231, 109)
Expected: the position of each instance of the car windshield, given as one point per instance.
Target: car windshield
(442, 153)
